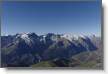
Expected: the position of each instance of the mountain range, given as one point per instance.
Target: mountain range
(50, 50)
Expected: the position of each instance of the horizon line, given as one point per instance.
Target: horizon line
(52, 33)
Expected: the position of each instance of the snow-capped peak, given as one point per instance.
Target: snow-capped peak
(67, 36)
(71, 37)
(25, 37)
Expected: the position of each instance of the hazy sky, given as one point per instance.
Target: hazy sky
(53, 17)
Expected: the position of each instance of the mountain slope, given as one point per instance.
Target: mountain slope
(26, 49)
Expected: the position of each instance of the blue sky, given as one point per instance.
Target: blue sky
(54, 17)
